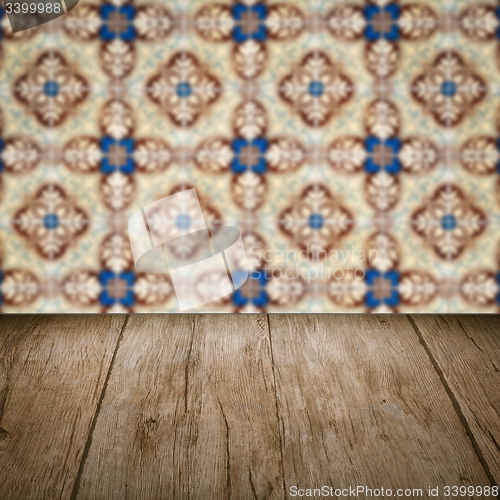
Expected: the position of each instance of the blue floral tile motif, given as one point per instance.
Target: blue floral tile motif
(252, 292)
(250, 19)
(498, 283)
(383, 155)
(117, 288)
(117, 22)
(384, 288)
(184, 90)
(118, 155)
(498, 16)
(382, 22)
(183, 221)
(316, 221)
(316, 88)
(449, 88)
(249, 155)
(449, 222)
(51, 88)
(51, 221)
(498, 162)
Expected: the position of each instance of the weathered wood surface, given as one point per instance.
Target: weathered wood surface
(466, 350)
(189, 412)
(154, 407)
(361, 404)
(52, 372)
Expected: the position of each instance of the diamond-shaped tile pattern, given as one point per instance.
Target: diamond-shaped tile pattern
(354, 143)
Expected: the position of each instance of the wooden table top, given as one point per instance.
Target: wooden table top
(248, 406)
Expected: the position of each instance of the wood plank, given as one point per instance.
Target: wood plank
(52, 372)
(189, 412)
(467, 351)
(361, 404)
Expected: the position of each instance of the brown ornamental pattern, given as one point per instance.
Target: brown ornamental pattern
(316, 221)
(449, 89)
(183, 89)
(50, 221)
(449, 221)
(316, 89)
(51, 88)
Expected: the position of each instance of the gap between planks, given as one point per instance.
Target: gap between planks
(456, 405)
(466, 350)
(76, 486)
(52, 370)
(365, 396)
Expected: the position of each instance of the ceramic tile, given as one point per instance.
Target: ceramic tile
(354, 144)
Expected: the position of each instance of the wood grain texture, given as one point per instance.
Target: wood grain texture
(360, 403)
(467, 350)
(189, 412)
(52, 372)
